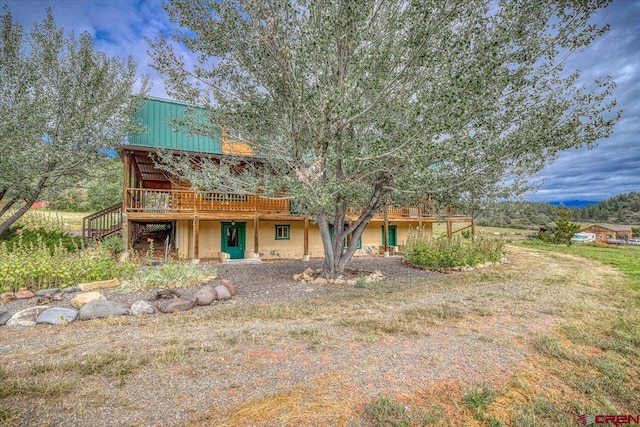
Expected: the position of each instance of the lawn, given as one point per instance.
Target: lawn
(626, 258)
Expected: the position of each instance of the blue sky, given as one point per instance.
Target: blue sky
(119, 28)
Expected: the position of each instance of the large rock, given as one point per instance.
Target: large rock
(47, 292)
(101, 308)
(229, 285)
(222, 292)
(175, 304)
(27, 317)
(142, 307)
(24, 294)
(71, 289)
(57, 316)
(5, 315)
(205, 295)
(101, 284)
(85, 297)
(7, 297)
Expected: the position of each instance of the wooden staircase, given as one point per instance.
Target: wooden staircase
(102, 224)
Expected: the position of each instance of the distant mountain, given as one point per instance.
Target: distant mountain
(575, 203)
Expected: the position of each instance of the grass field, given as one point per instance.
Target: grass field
(568, 326)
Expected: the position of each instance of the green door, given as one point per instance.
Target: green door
(233, 239)
(393, 235)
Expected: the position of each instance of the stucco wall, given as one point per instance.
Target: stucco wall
(271, 248)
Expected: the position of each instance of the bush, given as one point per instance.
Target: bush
(171, 275)
(17, 236)
(33, 265)
(424, 250)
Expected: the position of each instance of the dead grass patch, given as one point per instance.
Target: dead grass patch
(320, 401)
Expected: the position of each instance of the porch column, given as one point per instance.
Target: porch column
(196, 237)
(125, 232)
(386, 233)
(305, 256)
(256, 223)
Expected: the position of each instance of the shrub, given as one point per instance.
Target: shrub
(171, 275)
(424, 250)
(25, 237)
(35, 266)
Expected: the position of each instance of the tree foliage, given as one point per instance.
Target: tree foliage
(62, 106)
(563, 230)
(369, 102)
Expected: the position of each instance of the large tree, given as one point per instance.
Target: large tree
(63, 105)
(362, 103)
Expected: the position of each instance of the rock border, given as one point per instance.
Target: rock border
(91, 304)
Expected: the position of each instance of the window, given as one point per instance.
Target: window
(283, 232)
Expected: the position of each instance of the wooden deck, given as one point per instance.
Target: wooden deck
(183, 204)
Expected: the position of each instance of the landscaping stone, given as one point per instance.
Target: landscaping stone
(176, 304)
(7, 297)
(222, 292)
(47, 292)
(229, 285)
(101, 308)
(85, 297)
(5, 315)
(57, 316)
(101, 284)
(24, 294)
(142, 307)
(27, 317)
(319, 281)
(205, 295)
(165, 294)
(71, 289)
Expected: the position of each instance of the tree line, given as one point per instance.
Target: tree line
(620, 209)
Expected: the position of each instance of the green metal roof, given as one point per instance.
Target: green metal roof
(157, 117)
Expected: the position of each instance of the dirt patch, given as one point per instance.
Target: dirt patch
(286, 353)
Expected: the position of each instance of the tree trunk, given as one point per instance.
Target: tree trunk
(336, 256)
(16, 216)
(7, 206)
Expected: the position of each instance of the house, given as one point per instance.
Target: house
(604, 232)
(217, 225)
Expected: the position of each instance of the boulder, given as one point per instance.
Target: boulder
(230, 286)
(5, 315)
(176, 304)
(101, 308)
(142, 307)
(101, 284)
(47, 292)
(57, 316)
(24, 294)
(205, 295)
(222, 292)
(27, 317)
(319, 281)
(7, 297)
(85, 297)
(71, 289)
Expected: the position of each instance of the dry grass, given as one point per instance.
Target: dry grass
(534, 342)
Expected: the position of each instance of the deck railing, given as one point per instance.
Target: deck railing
(102, 224)
(185, 201)
(144, 200)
